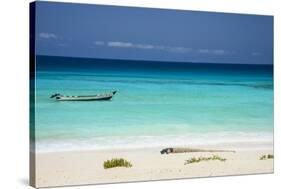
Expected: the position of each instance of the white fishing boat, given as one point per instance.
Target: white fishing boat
(96, 97)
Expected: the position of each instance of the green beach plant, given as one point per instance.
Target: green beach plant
(200, 159)
(116, 162)
(268, 156)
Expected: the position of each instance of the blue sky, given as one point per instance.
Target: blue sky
(95, 31)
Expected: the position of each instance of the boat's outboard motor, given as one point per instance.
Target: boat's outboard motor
(55, 95)
(114, 92)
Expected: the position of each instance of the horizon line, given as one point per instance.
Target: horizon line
(144, 60)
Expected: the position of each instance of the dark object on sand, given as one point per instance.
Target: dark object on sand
(189, 150)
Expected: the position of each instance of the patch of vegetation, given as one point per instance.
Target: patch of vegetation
(268, 156)
(197, 160)
(116, 163)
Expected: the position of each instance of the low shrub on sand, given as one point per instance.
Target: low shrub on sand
(268, 156)
(116, 163)
(197, 160)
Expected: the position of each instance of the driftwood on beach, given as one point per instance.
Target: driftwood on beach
(189, 150)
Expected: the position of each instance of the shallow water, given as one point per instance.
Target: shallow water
(157, 104)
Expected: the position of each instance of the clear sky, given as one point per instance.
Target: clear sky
(95, 31)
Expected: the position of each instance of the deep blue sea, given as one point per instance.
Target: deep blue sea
(158, 104)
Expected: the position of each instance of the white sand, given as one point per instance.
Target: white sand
(75, 168)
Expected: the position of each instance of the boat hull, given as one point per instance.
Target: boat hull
(98, 97)
(83, 98)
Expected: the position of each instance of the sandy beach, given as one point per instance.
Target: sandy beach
(86, 167)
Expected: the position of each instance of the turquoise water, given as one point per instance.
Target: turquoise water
(161, 106)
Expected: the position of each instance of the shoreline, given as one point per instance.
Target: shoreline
(240, 146)
(86, 167)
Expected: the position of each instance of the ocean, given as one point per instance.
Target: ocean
(157, 104)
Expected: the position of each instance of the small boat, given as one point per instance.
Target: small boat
(106, 96)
